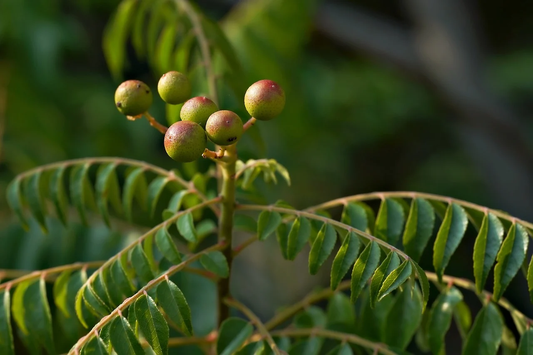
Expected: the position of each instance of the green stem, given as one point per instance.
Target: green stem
(227, 210)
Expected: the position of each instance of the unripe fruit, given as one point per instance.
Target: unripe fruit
(185, 141)
(264, 100)
(174, 87)
(224, 128)
(198, 109)
(133, 98)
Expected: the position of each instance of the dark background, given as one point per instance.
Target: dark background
(425, 95)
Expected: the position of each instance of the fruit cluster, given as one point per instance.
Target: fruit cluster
(186, 140)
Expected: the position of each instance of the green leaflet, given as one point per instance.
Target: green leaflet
(510, 258)
(232, 335)
(395, 279)
(508, 345)
(364, 267)
(215, 262)
(418, 228)
(298, 237)
(165, 45)
(486, 248)
(166, 246)
(463, 318)
(186, 227)
(120, 279)
(134, 186)
(115, 35)
(61, 292)
(344, 259)
(107, 189)
(95, 346)
(530, 279)
(93, 302)
(101, 290)
(424, 284)
(486, 333)
(282, 235)
(81, 191)
(35, 198)
(526, 343)
(312, 317)
(14, 199)
(175, 305)
(341, 349)
(403, 318)
(141, 264)
(246, 223)
(123, 339)
(450, 234)
(355, 215)
(309, 346)
(113, 291)
(6, 333)
(267, 224)
(440, 318)
(32, 313)
(155, 189)
(58, 193)
(340, 311)
(322, 247)
(391, 262)
(152, 324)
(175, 203)
(389, 222)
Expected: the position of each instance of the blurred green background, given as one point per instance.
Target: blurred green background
(426, 95)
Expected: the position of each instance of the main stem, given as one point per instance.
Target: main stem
(227, 192)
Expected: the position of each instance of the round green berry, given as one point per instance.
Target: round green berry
(264, 100)
(133, 98)
(224, 128)
(198, 109)
(174, 87)
(185, 141)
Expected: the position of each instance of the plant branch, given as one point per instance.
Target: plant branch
(350, 338)
(471, 286)
(151, 232)
(22, 275)
(239, 248)
(412, 194)
(161, 128)
(227, 192)
(311, 298)
(325, 220)
(204, 46)
(176, 342)
(129, 301)
(249, 124)
(122, 161)
(255, 320)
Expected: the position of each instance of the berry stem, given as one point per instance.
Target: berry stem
(227, 192)
(248, 124)
(161, 128)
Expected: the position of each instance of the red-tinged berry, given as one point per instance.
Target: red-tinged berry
(198, 109)
(224, 128)
(185, 141)
(264, 100)
(133, 98)
(174, 87)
